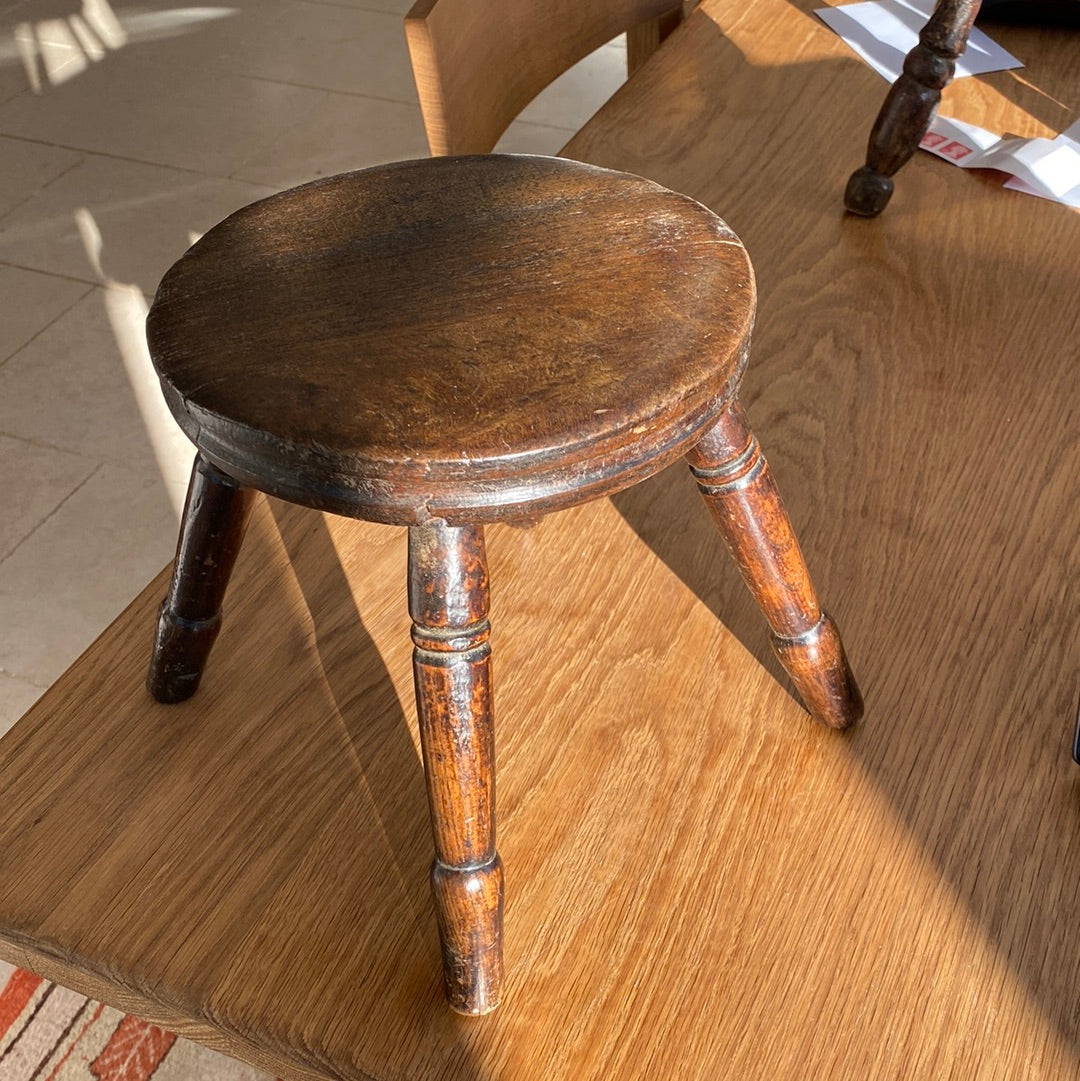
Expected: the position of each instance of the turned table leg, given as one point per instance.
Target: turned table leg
(448, 602)
(910, 104)
(738, 488)
(215, 516)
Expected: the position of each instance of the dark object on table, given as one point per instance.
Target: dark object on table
(909, 106)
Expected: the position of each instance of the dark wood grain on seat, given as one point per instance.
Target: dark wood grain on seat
(581, 328)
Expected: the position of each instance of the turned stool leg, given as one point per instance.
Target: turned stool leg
(215, 515)
(910, 104)
(448, 602)
(738, 488)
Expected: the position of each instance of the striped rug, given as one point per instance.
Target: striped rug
(48, 1033)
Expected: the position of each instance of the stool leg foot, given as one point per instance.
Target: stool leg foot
(448, 602)
(909, 106)
(738, 488)
(215, 515)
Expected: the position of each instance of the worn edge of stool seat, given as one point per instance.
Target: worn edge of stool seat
(302, 475)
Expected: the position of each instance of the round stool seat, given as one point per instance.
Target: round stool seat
(467, 338)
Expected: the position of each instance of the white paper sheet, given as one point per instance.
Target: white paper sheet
(883, 32)
(1070, 198)
(1070, 138)
(1049, 168)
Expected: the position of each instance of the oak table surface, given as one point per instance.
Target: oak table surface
(702, 883)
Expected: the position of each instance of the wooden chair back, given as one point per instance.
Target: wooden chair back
(478, 63)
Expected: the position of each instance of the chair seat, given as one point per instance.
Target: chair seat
(468, 338)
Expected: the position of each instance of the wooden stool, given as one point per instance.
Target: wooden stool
(910, 105)
(440, 344)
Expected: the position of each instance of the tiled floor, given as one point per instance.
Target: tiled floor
(125, 131)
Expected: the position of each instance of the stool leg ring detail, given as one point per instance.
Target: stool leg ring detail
(737, 485)
(215, 516)
(448, 602)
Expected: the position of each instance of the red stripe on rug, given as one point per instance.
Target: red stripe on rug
(15, 997)
(133, 1052)
(75, 1043)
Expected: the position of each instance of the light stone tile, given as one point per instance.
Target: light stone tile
(160, 114)
(28, 167)
(88, 33)
(145, 216)
(578, 93)
(51, 52)
(16, 697)
(346, 132)
(51, 43)
(13, 78)
(31, 301)
(12, 82)
(333, 48)
(102, 26)
(85, 385)
(34, 481)
(325, 46)
(64, 584)
(196, 41)
(525, 138)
